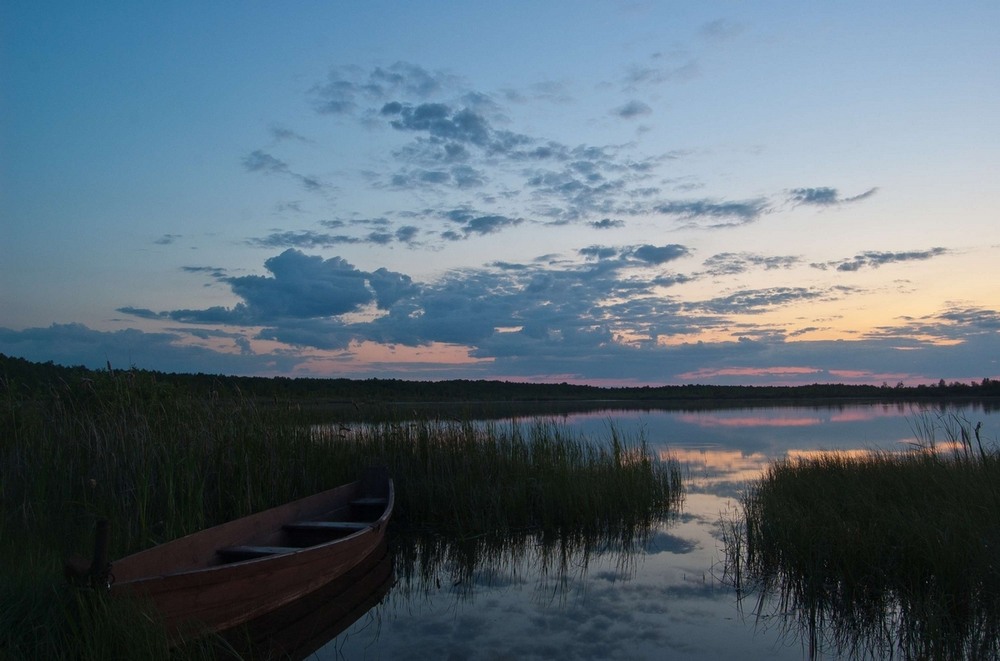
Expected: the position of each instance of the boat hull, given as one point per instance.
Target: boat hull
(194, 590)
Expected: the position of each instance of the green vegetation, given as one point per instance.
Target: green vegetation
(160, 461)
(879, 554)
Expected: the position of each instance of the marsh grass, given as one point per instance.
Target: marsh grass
(881, 554)
(160, 463)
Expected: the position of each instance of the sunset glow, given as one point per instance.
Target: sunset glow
(621, 194)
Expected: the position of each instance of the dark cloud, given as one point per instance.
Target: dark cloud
(755, 301)
(472, 223)
(261, 161)
(280, 133)
(607, 223)
(632, 109)
(76, 344)
(303, 287)
(302, 239)
(729, 263)
(660, 254)
(142, 313)
(659, 70)
(825, 196)
(874, 259)
(213, 271)
(346, 87)
(712, 213)
(167, 239)
(407, 234)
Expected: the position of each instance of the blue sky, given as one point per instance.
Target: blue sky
(594, 192)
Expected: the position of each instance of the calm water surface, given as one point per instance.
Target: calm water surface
(666, 602)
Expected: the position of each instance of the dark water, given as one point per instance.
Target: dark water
(667, 600)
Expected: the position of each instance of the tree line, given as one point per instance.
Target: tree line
(27, 376)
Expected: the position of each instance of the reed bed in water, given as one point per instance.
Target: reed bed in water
(880, 554)
(159, 463)
(466, 479)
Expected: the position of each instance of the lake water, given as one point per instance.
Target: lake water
(667, 601)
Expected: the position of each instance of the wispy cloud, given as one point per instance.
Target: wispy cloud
(825, 196)
(265, 163)
(875, 259)
(714, 213)
(632, 109)
(729, 263)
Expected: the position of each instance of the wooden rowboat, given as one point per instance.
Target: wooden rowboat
(217, 578)
(297, 629)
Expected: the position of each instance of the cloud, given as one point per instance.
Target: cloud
(607, 223)
(263, 162)
(632, 109)
(825, 196)
(167, 239)
(346, 87)
(729, 263)
(281, 133)
(712, 213)
(302, 239)
(302, 287)
(722, 30)
(661, 69)
(76, 344)
(756, 301)
(472, 223)
(874, 259)
(660, 254)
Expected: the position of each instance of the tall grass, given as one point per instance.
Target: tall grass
(879, 554)
(466, 478)
(160, 463)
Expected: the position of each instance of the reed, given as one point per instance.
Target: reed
(159, 463)
(879, 554)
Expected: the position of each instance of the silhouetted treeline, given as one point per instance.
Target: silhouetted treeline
(27, 377)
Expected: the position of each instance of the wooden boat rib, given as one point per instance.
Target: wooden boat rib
(217, 578)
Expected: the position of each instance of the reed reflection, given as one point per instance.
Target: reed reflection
(550, 560)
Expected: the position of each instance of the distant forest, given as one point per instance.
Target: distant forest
(17, 374)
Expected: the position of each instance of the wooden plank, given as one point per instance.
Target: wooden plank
(247, 551)
(327, 526)
(369, 502)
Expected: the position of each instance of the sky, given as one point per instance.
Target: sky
(612, 193)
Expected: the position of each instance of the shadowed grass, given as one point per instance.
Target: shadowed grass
(879, 554)
(159, 464)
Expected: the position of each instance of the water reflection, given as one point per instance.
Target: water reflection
(668, 599)
(553, 561)
(298, 629)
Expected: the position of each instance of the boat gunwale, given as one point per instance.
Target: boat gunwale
(375, 527)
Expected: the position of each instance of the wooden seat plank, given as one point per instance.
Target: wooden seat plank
(248, 551)
(328, 526)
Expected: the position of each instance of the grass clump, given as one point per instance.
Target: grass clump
(881, 553)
